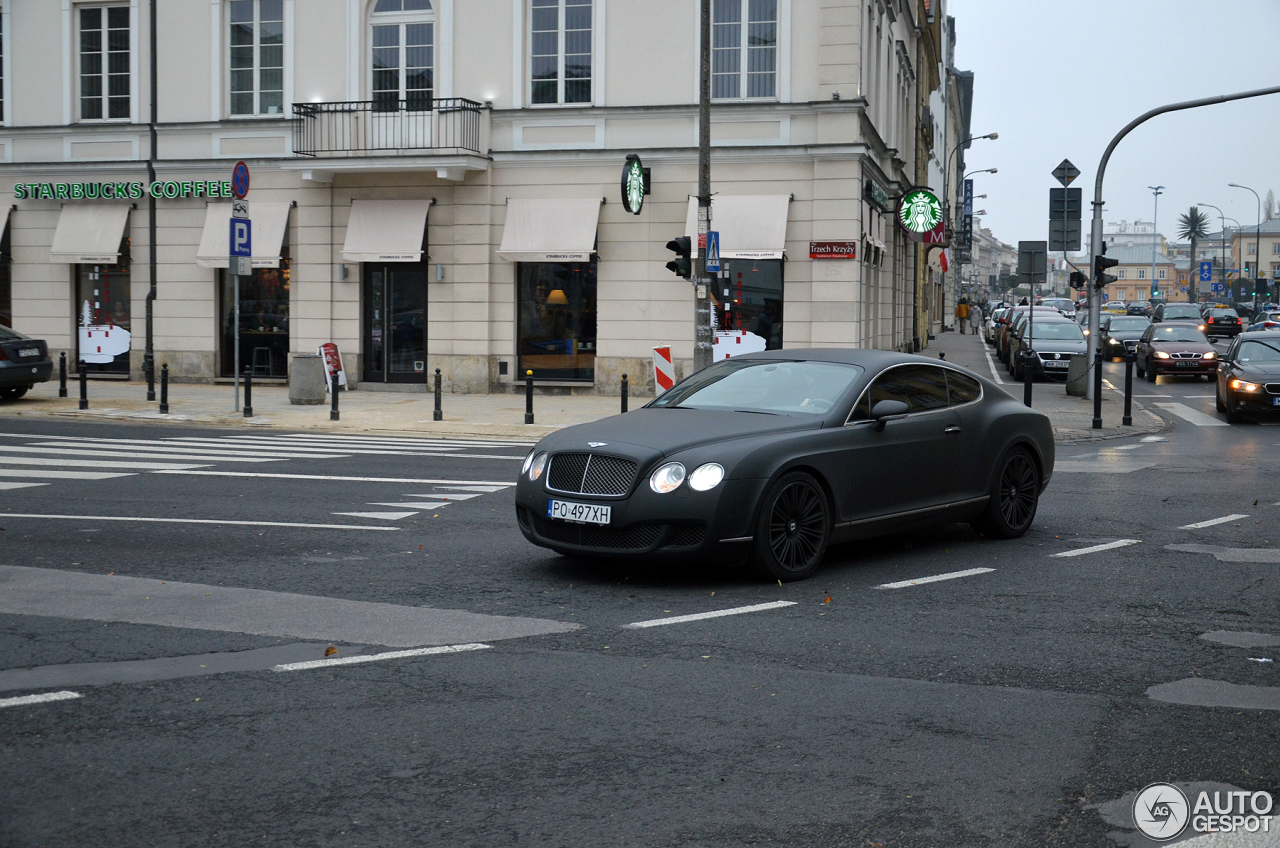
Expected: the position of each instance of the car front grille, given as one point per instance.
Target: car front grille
(1186, 356)
(590, 474)
(637, 537)
(687, 536)
(1273, 388)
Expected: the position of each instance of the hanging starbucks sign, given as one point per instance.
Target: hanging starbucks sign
(633, 185)
(170, 189)
(919, 212)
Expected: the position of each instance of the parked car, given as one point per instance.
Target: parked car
(1264, 321)
(992, 323)
(1115, 307)
(1120, 334)
(1066, 307)
(1249, 376)
(24, 361)
(1177, 348)
(1017, 315)
(771, 456)
(1052, 341)
(1184, 312)
(1222, 322)
(1136, 308)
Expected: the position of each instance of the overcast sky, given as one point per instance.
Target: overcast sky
(1059, 79)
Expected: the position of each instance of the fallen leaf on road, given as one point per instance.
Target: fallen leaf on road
(828, 600)
(330, 651)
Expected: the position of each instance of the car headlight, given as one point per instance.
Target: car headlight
(1202, 328)
(536, 467)
(1242, 386)
(1113, 341)
(667, 478)
(706, 477)
(1211, 355)
(1160, 354)
(528, 460)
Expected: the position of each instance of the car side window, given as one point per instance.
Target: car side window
(962, 388)
(921, 387)
(1146, 336)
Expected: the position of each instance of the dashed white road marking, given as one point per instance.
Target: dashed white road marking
(24, 700)
(1096, 548)
(165, 448)
(499, 485)
(414, 504)
(954, 575)
(1193, 415)
(1152, 439)
(96, 463)
(7, 486)
(147, 519)
(700, 616)
(386, 655)
(383, 516)
(61, 475)
(447, 496)
(991, 362)
(1212, 521)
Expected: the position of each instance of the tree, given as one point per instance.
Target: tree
(1269, 206)
(1194, 225)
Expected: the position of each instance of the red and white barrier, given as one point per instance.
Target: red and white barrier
(664, 372)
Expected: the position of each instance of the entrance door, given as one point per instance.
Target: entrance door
(395, 323)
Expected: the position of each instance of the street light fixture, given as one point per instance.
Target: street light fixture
(1257, 249)
(983, 171)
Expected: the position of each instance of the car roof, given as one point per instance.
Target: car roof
(869, 359)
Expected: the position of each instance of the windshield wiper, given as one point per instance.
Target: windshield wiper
(757, 411)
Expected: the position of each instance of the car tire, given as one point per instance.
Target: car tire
(1014, 496)
(792, 530)
(13, 392)
(1139, 370)
(1217, 401)
(1151, 375)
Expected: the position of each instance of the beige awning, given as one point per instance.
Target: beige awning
(556, 230)
(386, 231)
(751, 226)
(270, 220)
(89, 232)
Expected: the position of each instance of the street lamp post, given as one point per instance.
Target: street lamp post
(1257, 249)
(946, 191)
(1155, 235)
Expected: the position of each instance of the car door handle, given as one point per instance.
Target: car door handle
(952, 429)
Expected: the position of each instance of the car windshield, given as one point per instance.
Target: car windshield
(6, 333)
(1178, 334)
(1224, 313)
(1128, 324)
(1181, 312)
(1058, 304)
(1059, 330)
(764, 385)
(1259, 352)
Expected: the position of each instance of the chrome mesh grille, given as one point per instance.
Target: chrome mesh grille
(590, 474)
(1185, 355)
(636, 537)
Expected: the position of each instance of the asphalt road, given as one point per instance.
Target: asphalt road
(1004, 708)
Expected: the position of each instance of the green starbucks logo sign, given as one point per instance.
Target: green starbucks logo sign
(919, 211)
(633, 184)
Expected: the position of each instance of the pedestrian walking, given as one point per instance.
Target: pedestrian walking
(962, 314)
(975, 319)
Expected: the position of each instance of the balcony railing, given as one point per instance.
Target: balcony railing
(386, 127)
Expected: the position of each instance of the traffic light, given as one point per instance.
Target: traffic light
(1078, 280)
(681, 266)
(1100, 265)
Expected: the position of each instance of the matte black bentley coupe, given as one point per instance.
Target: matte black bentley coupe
(771, 456)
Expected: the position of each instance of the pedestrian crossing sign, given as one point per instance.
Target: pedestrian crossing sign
(713, 252)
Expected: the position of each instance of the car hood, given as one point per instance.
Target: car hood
(1126, 335)
(1261, 369)
(1059, 345)
(647, 434)
(1183, 347)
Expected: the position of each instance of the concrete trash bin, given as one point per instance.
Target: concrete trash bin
(306, 380)
(1078, 376)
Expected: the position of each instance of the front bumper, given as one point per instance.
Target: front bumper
(25, 373)
(1174, 367)
(1260, 401)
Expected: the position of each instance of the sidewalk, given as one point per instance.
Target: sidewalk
(494, 416)
(1072, 417)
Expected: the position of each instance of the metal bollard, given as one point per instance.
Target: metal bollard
(248, 392)
(528, 397)
(1127, 421)
(1097, 391)
(62, 374)
(164, 389)
(437, 414)
(333, 408)
(942, 355)
(1028, 367)
(84, 386)
(624, 392)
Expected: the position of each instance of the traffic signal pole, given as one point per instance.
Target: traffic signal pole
(1095, 233)
(703, 342)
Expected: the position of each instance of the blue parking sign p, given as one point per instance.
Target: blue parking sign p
(241, 238)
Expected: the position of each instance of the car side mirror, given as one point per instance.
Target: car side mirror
(886, 409)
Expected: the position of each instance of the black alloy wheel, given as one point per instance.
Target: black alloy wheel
(793, 529)
(1015, 494)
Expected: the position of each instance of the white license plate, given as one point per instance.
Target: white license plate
(1186, 364)
(1058, 363)
(578, 513)
(29, 351)
(1275, 401)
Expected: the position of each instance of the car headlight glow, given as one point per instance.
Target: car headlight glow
(1113, 341)
(1242, 386)
(1160, 354)
(528, 460)
(1210, 355)
(667, 478)
(706, 477)
(536, 467)
(1202, 328)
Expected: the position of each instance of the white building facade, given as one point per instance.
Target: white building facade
(436, 184)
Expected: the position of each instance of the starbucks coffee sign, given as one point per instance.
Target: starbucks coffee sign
(633, 185)
(919, 212)
(170, 189)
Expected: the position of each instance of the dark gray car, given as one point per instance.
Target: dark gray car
(24, 362)
(1120, 335)
(1052, 343)
(769, 457)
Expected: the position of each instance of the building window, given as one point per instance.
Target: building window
(104, 62)
(1120, 274)
(744, 49)
(1161, 273)
(755, 299)
(403, 53)
(264, 320)
(560, 51)
(257, 57)
(1275, 248)
(1253, 249)
(1120, 295)
(1142, 273)
(104, 306)
(557, 323)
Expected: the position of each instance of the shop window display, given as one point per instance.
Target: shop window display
(755, 299)
(557, 323)
(264, 321)
(104, 315)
